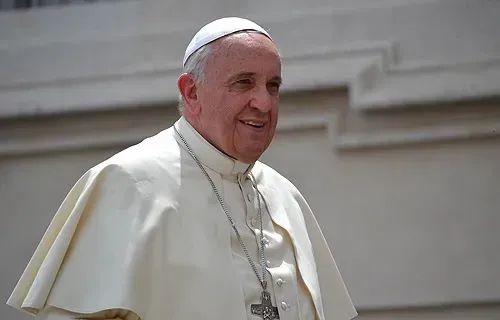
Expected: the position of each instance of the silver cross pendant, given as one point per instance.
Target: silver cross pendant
(265, 309)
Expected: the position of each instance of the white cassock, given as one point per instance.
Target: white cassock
(142, 235)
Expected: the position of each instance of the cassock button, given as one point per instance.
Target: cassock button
(280, 282)
(284, 305)
(250, 197)
(265, 241)
(269, 264)
(253, 222)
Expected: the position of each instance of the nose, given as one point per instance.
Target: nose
(262, 99)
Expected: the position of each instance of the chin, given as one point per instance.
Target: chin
(250, 156)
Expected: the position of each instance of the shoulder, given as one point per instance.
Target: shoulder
(144, 161)
(271, 177)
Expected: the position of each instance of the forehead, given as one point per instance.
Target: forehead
(246, 51)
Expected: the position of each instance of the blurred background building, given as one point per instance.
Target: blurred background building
(389, 125)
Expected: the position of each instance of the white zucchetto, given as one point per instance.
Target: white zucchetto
(218, 29)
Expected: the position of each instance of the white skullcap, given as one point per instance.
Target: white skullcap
(218, 29)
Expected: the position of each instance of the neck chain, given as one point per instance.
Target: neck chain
(265, 309)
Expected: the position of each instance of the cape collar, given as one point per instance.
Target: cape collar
(208, 154)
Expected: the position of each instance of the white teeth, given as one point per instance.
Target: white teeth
(255, 124)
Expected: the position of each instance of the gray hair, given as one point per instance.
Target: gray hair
(195, 66)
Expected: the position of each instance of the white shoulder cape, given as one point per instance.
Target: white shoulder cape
(118, 240)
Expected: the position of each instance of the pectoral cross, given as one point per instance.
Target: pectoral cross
(265, 309)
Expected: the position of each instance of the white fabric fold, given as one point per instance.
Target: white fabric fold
(143, 232)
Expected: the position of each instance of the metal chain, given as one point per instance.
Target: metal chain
(262, 244)
(262, 279)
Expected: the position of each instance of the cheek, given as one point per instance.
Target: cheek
(224, 121)
(275, 112)
(232, 109)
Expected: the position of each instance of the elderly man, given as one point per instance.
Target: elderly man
(188, 224)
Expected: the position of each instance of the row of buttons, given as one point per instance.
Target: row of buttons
(280, 282)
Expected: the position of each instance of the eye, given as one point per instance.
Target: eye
(274, 86)
(244, 81)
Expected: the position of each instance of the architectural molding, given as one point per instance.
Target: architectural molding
(59, 74)
(62, 133)
(443, 133)
(347, 129)
(70, 132)
(380, 87)
(365, 69)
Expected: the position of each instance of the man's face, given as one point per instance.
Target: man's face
(239, 95)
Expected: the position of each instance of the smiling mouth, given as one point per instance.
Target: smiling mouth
(254, 124)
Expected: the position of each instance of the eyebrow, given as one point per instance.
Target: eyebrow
(250, 74)
(277, 79)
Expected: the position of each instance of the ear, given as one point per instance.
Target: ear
(188, 89)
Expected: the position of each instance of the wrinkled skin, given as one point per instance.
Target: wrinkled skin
(235, 107)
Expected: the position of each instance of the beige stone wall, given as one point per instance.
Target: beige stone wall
(389, 126)
(388, 53)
